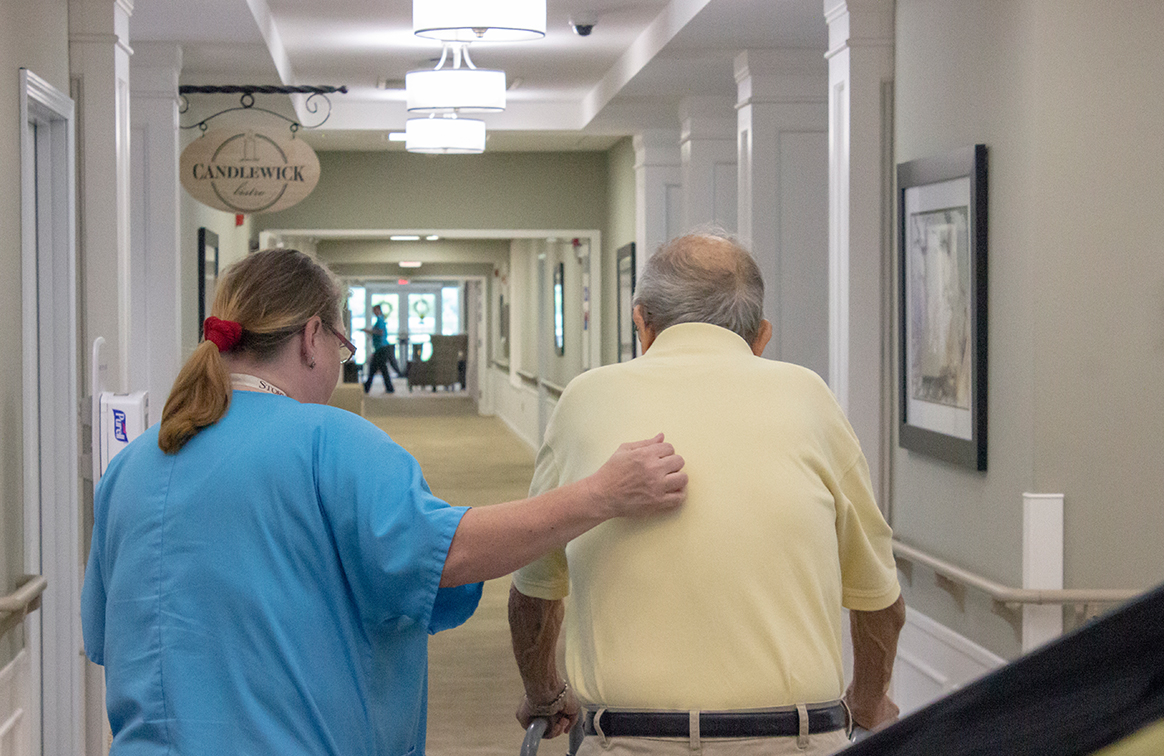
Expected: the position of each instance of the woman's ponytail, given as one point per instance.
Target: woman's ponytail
(200, 397)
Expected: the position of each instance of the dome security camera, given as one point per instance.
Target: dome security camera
(583, 24)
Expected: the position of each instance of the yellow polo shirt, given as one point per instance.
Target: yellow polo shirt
(734, 601)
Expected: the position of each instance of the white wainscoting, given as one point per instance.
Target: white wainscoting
(517, 406)
(933, 661)
(14, 720)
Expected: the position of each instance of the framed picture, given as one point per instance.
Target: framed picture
(559, 309)
(627, 344)
(942, 228)
(207, 273)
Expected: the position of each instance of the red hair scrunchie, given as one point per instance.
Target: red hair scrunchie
(224, 333)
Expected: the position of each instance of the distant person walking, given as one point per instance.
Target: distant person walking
(383, 353)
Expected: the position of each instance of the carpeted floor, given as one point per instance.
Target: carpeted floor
(467, 460)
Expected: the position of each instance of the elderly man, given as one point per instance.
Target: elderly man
(717, 628)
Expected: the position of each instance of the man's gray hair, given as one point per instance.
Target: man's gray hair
(702, 277)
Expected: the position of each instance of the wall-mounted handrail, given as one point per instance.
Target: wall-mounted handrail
(20, 603)
(1006, 594)
(554, 388)
(526, 376)
(23, 597)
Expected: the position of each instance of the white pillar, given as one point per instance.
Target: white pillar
(1042, 566)
(155, 242)
(860, 61)
(707, 150)
(782, 124)
(99, 66)
(658, 192)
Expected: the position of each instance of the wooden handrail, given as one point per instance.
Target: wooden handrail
(1006, 594)
(23, 597)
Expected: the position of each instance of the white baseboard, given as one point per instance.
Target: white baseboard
(933, 661)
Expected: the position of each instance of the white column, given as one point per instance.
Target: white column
(707, 151)
(155, 242)
(658, 192)
(99, 66)
(1042, 566)
(782, 125)
(860, 61)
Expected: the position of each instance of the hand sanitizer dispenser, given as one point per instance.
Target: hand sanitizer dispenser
(123, 418)
(117, 418)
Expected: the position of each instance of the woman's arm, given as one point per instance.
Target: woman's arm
(640, 479)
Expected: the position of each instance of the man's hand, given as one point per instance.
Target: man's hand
(562, 719)
(640, 479)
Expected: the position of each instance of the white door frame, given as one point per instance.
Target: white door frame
(51, 404)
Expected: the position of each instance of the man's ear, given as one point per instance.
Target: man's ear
(762, 338)
(646, 333)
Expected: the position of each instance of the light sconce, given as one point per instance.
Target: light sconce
(469, 89)
(444, 136)
(479, 20)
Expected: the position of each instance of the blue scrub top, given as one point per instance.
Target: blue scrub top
(269, 589)
(379, 332)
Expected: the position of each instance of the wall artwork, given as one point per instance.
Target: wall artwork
(627, 343)
(942, 230)
(207, 273)
(560, 309)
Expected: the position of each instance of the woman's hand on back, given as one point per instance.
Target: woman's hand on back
(640, 479)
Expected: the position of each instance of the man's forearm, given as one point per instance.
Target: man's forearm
(534, 625)
(874, 650)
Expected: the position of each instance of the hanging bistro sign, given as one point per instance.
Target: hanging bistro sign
(249, 170)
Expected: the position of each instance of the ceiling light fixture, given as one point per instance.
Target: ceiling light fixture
(444, 136)
(432, 237)
(443, 89)
(479, 20)
(410, 264)
(404, 237)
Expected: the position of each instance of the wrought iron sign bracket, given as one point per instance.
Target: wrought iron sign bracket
(247, 94)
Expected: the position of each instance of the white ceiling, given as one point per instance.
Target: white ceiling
(567, 92)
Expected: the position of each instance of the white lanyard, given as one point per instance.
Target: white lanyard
(243, 380)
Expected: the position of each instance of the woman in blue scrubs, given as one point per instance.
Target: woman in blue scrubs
(265, 569)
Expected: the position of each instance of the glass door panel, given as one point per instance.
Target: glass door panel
(422, 321)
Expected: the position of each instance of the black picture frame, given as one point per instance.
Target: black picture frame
(942, 246)
(560, 309)
(628, 346)
(207, 273)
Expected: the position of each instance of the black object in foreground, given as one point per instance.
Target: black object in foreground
(1074, 696)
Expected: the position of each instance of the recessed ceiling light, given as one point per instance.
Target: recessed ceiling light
(404, 237)
(397, 136)
(432, 237)
(410, 264)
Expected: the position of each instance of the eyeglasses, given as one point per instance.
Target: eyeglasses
(348, 350)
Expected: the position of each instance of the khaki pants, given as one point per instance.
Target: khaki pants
(818, 745)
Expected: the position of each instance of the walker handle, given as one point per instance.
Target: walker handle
(533, 735)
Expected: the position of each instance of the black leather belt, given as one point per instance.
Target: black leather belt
(715, 724)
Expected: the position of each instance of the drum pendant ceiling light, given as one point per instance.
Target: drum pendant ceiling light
(463, 89)
(446, 135)
(479, 20)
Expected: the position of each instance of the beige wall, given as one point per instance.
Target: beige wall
(32, 36)
(620, 231)
(233, 244)
(1067, 95)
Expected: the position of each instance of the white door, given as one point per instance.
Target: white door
(45, 709)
